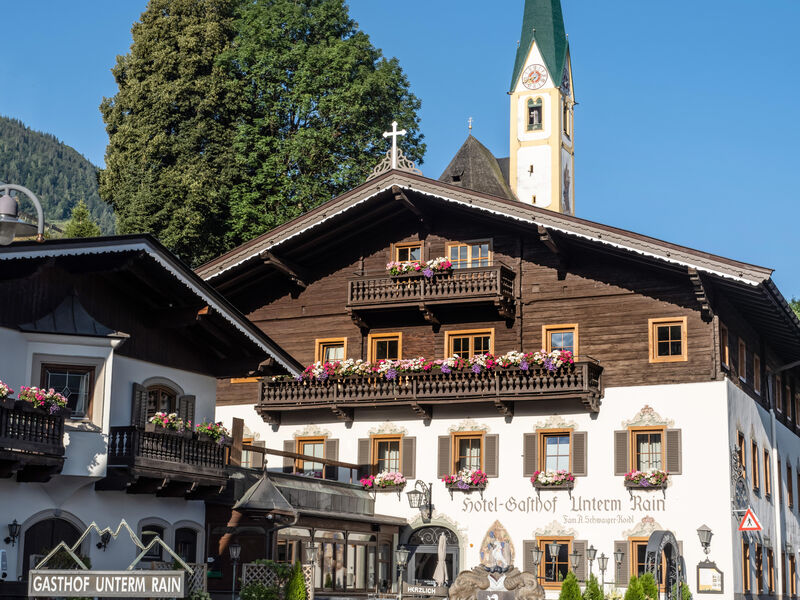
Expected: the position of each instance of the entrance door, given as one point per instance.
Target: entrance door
(45, 535)
(423, 546)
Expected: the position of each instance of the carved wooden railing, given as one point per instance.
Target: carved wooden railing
(31, 431)
(493, 283)
(582, 380)
(165, 453)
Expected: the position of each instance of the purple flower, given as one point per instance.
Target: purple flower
(644, 483)
(548, 364)
(476, 368)
(298, 378)
(446, 370)
(428, 273)
(462, 486)
(391, 374)
(523, 365)
(323, 376)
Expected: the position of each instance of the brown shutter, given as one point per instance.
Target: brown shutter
(491, 463)
(256, 458)
(139, 406)
(444, 465)
(624, 568)
(527, 553)
(288, 463)
(186, 409)
(237, 439)
(332, 453)
(529, 448)
(409, 465)
(364, 464)
(580, 546)
(579, 457)
(621, 452)
(674, 452)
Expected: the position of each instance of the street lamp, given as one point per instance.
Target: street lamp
(10, 223)
(618, 556)
(554, 548)
(421, 497)
(574, 558)
(704, 533)
(536, 554)
(235, 550)
(602, 563)
(311, 553)
(401, 558)
(591, 553)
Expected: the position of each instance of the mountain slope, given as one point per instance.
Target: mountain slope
(55, 172)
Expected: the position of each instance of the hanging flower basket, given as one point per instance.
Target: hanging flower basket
(385, 481)
(646, 480)
(553, 480)
(40, 400)
(466, 480)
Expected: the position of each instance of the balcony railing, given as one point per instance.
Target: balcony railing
(493, 284)
(503, 386)
(166, 456)
(31, 443)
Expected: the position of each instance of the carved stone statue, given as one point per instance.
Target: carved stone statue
(526, 585)
(467, 584)
(508, 582)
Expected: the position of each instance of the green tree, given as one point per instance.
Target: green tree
(319, 96)
(795, 304)
(296, 587)
(170, 162)
(634, 591)
(570, 590)
(80, 224)
(649, 586)
(592, 591)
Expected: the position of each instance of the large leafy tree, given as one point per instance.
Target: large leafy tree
(170, 162)
(795, 304)
(319, 96)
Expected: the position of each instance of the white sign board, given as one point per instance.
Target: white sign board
(108, 584)
(709, 579)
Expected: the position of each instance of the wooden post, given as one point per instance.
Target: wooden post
(237, 433)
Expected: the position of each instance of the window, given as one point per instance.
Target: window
(742, 360)
(740, 451)
(470, 254)
(330, 349)
(759, 569)
(639, 560)
(754, 458)
(385, 346)
(565, 115)
(745, 566)
(757, 374)
(560, 337)
(149, 532)
(668, 340)
(75, 383)
(186, 543)
(310, 447)
(386, 453)
(647, 449)
(554, 568)
(767, 475)
(247, 456)
(787, 398)
(411, 252)
(468, 451)
(161, 399)
(789, 487)
(534, 114)
(770, 571)
(467, 344)
(724, 351)
(554, 450)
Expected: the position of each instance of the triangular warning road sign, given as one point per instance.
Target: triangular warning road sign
(749, 522)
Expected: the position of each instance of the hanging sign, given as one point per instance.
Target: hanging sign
(438, 591)
(74, 583)
(710, 579)
(749, 522)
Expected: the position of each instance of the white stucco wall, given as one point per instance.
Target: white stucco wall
(540, 183)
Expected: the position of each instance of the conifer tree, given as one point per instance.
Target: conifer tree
(80, 224)
(634, 591)
(570, 590)
(649, 586)
(593, 591)
(319, 95)
(296, 587)
(169, 161)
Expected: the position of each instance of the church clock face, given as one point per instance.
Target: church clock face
(534, 77)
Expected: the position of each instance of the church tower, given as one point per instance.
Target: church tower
(542, 162)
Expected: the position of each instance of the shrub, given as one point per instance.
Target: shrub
(199, 595)
(649, 586)
(282, 570)
(259, 591)
(634, 591)
(570, 590)
(592, 591)
(296, 588)
(686, 593)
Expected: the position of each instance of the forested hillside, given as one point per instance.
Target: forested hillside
(56, 173)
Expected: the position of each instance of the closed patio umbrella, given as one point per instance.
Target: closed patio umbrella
(440, 574)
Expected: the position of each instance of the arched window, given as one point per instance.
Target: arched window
(149, 532)
(40, 538)
(424, 545)
(186, 543)
(161, 398)
(535, 114)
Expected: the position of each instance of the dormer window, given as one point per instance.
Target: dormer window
(535, 114)
(74, 382)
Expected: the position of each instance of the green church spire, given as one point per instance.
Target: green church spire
(543, 23)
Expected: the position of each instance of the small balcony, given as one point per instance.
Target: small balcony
(164, 463)
(421, 391)
(492, 285)
(31, 442)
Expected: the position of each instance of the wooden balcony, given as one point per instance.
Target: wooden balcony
(167, 464)
(31, 443)
(492, 285)
(502, 387)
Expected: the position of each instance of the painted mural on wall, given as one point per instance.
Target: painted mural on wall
(497, 550)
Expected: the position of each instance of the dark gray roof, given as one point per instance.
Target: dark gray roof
(70, 318)
(475, 168)
(263, 498)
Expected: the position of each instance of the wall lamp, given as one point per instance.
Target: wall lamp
(704, 533)
(421, 497)
(104, 539)
(13, 532)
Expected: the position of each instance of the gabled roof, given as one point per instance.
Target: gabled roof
(70, 318)
(543, 23)
(474, 167)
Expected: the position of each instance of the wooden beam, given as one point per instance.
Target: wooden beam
(701, 295)
(401, 197)
(505, 408)
(425, 412)
(343, 414)
(297, 456)
(547, 239)
(297, 274)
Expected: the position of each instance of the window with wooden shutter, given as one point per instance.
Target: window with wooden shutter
(384, 346)
(467, 451)
(529, 446)
(527, 555)
(745, 566)
(580, 547)
(553, 569)
(767, 474)
(621, 454)
(288, 463)
(555, 449)
(724, 349)
(386, 453)
(757, 374)
(563, 336)
(364, 465)
(257, 458)
(789, 486)
(186, 408)
(443, 460)
(674, 452)
(311, 446)
(139, 406)
(622, 570)
(742, 360)
(579, 454)
(754, 457)
(332, 453)
(492, 458)
(330, 349)
(409, 457)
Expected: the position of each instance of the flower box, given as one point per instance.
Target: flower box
(646, 480)
(385, 481)
(8, 403)
(554, 480)
(156, 428)
(569, 485)
(395, 489)
(203, 437)
(454, 487)
(650, 486)
(466, 480)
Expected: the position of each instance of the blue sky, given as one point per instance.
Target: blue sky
(687, 127)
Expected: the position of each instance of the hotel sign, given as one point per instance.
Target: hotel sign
(109, 584)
